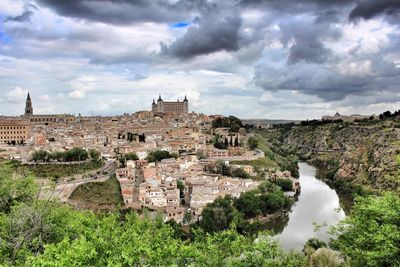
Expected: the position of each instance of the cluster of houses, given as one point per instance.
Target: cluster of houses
(179, 187)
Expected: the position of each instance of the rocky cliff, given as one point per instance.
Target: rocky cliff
(365, 153)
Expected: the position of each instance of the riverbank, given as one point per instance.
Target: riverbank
(317, 204)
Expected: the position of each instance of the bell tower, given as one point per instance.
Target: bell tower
(28, 106)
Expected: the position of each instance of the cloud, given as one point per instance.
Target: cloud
(25, 16)
(122, 12)
(368, 9)
(213, 33)
(17, 95)
(77, 94)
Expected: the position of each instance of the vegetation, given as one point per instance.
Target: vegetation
(99, 193)
(285, 184)
(253, 143)
(231, 122)
(221, 213)
(129, 156)
(53, 170)
(44, 233)
(220, 168)
(158, 155)
(370, 235)
(74, 154)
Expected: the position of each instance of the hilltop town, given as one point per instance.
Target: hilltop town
(167, 159)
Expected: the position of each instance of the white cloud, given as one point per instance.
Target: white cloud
(77, 94)
(17, 95)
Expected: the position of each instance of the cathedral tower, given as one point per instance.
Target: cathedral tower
(28, 106)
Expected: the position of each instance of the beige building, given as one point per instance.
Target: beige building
(170, 107)
(14, 131)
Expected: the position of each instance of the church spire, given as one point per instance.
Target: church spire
(28, 106)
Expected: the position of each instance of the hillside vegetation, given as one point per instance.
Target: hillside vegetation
(44, 233)
(364, 153)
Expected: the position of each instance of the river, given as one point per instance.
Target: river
(316, 204)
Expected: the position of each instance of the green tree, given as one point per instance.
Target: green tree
(239, 172)
(158, 155)
(40, 155)
(94, 154)
(272, 202)
(252, 142)
(249, 204)
(370, 235)
(285, 184)
(218, 215)
(131, 156)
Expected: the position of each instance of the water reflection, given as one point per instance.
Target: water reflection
(317, 203)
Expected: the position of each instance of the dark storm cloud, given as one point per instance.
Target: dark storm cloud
(212, 34)
(126, 11)
(310, 51)
(308, 34)
(370, 8)
(25, 15)
(328, 83)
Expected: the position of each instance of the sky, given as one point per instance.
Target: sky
(267, 59)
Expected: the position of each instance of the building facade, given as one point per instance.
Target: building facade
(14, 131)
(170, 107)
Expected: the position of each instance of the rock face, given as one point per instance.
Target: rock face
(364, 152)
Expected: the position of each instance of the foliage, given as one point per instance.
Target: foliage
(231, 122)
(158, 155)
(94, 154)
(107, 192)
(74, 154)
(131, 156)
(253, 143)
(314, 243)
(221, 213)
(370, 235)
(55, 170)
(14, 190)
(239, 172)
(285, 184)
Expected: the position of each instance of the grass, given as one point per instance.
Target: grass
(107, 192)
(55, 171)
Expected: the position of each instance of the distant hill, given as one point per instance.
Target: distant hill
(267, 121)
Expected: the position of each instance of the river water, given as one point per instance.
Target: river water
(317, 204)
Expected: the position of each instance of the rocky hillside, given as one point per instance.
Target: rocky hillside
(365, 153)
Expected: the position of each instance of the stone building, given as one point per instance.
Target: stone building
(14, 131)
(45, 119)
(170, 107)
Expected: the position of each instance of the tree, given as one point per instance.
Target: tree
(40, 155)
(94, 154)
(285, 184)
(253, 143)
(236, 141)
(158, 155)
(248, 204)
(239, 172)
(218, 215)
(272, 202)
(131, 156)
(370, 235)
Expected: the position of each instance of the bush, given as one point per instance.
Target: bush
(253, 143)
(285, 184)
(159, 155)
